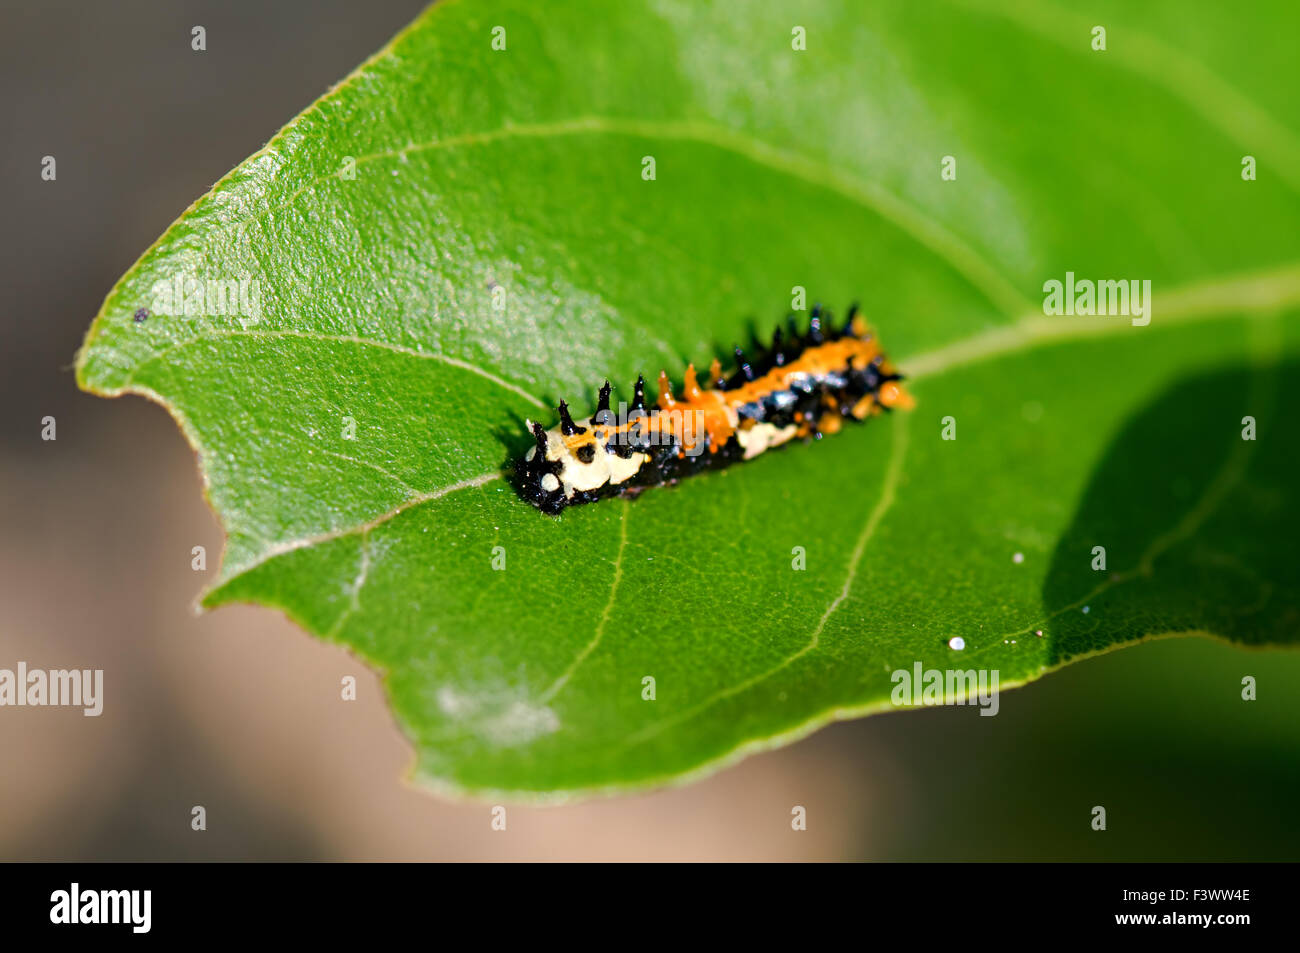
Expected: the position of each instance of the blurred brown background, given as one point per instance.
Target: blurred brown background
(239, 711)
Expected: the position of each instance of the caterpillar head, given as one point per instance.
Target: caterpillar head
(573, 463)
(540, 473)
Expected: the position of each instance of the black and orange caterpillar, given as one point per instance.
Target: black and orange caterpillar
(802, 386)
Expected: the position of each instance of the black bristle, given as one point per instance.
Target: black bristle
(638, 393)
(778, 352)
(847, 330)
(794, 344)
(815, 335)
(567, 426)
(602, 405)
(743, 364)
(539, 434)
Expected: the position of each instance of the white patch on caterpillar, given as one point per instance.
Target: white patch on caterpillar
(605, 467)
(555, 448)
(620, 469)
(761, 437)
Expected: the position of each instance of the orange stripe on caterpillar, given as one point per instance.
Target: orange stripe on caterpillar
(804, 385)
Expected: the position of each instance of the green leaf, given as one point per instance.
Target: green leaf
(385, 225)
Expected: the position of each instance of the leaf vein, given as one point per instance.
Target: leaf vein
(591, 646)
(934, 236)
(888, 494)
(281, 549)
(216, 333)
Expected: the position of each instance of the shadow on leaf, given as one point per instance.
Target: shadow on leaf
(1197, 524)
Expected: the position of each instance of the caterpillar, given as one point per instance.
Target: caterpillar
(804, 385)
